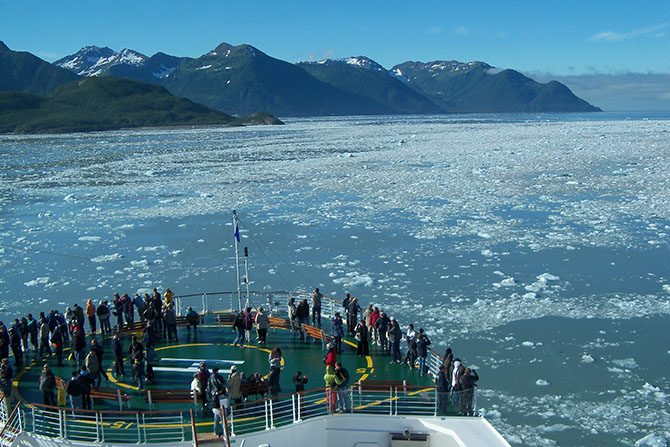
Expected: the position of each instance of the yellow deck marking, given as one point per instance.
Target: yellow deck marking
(184, 346)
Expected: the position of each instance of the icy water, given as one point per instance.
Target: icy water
(535, 246)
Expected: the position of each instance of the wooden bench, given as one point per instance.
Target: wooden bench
(253, 389)
(225, 319)
(281, 323)
(170, 397)
(110, 394)
(380, 385)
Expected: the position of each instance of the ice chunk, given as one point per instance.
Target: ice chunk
(107, 258)
(652, 440)
(541, 382)
(90, 238)
(587, 358)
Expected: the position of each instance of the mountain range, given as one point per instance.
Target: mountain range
(242, 79)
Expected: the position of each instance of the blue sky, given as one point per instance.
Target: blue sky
(563, 38)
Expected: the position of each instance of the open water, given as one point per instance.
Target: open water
(535, 246)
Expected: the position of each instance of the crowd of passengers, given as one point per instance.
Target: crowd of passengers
(158, 318)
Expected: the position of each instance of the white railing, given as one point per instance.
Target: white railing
(107, 426)
(433, 361)
(13, 425)
(127, 427)
(269, 413)
(3, 411)
(275, 301)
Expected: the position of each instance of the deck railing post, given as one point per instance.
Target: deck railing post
(21, 422)
(144, 428)
(474, 401)
(97, 427)
(139, 430)
(300, 401)
(293, 408)
(151, 404)
(351, 400)
(267, 426)
(272, 418)
(323, 340)
(232, 419)
(183, 430)
(194, 433)
(60, 424)
(396, 400)
(224, 420)
(435, 407)
(204, 303)
(64, 425)
(102, 429)
(33, 412)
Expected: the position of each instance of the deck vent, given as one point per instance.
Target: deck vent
(409, 439)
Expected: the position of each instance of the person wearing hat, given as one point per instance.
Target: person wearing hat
(234, 385)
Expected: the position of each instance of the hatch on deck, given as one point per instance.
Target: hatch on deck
(409, 439)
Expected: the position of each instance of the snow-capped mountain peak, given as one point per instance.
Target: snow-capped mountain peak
(92, 60)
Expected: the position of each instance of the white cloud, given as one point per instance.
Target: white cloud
(461, 31)
(613, 36)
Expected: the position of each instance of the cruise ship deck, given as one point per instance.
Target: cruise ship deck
(386, 398)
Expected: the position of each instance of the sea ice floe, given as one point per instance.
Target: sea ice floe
(107, 258)
(152, 249)
(90, 238)
(587, 358)
(652, 440)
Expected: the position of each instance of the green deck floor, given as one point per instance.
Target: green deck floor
(212, 342)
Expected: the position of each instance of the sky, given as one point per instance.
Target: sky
(563, 39)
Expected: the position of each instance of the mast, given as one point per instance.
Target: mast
(236, 233)
(246, 274)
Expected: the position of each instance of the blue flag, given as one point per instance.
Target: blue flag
(237, 232)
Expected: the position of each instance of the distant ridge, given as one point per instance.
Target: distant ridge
(364, 77)
(23, 72)
(107, 103)
(242, 79)
(478, 87)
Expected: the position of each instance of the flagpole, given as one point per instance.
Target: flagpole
(246, 273)
(236, 233)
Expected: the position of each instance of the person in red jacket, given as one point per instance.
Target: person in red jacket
(331, 358)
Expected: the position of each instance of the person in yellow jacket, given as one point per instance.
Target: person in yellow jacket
(169, 298)
(332, 381)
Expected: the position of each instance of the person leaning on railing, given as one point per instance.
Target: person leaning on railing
(443, 388)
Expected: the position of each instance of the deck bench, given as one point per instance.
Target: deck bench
(115, 394)
(170, 397)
